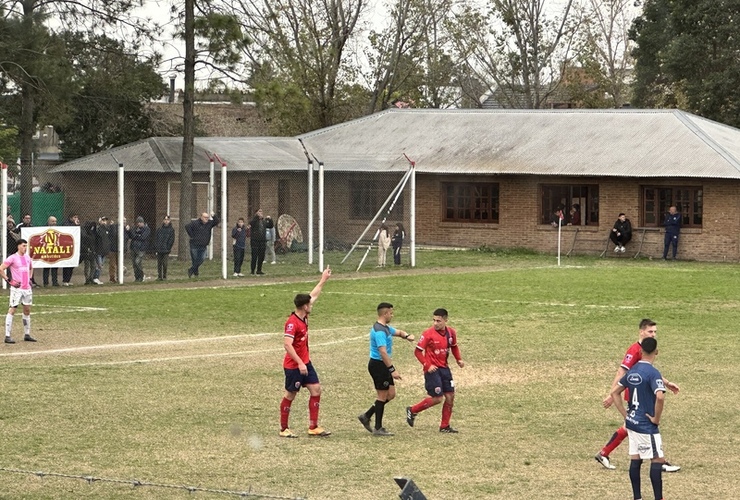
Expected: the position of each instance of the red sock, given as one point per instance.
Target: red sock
(615, 441)
(284, 413)
(313, 412)
(446, 414)
(423, 405)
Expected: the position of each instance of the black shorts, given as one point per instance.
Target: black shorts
(382, 378)
(439, 382)
(294, 380)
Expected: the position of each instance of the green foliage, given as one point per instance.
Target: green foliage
(687, 57)
(179, 383)
(108, 106)
(220, 40)
(9, 145)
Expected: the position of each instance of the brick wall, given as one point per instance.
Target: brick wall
(518, 227)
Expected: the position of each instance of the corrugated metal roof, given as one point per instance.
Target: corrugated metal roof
(622, 143)
(164, 154)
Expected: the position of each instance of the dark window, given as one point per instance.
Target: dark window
(366, 197)
(565, 196)
(470, 202)
(656, 201)
(283, 196)
(253, 198)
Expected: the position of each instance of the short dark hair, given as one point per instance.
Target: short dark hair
(646, 323)
(302, 299)
(384, 305)
(20, 241)
(440, 312)
(649, 345)
(621, 214)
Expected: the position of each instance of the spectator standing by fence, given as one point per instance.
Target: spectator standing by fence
(51, 221)
(397, 242)
(199, 231)
(73, 220)
(102, 247)
(270, 232)
(87, 250)
(239, 238)
(163, 241)
(258, 242)
(139, 235)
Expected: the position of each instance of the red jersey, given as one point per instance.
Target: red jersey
(297, 329)
(631, 357)
(434, 345)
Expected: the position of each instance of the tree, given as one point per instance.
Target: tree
(408, 58)
(516, 48)
(604, 55)
(686, 57)
(300, 70)
(32, 52)
(107, 99)
(222, 43)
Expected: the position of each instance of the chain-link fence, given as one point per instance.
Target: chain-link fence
(85, 193)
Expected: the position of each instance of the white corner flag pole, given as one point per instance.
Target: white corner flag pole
(559, 227)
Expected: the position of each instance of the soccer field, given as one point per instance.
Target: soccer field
(179, 384)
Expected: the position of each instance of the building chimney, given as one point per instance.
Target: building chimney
(172, 89)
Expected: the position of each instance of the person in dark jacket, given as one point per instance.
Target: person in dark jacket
(239, 237)
(139, 235)
(397, 242)
(102, 247)
(113, 251)
(163, 241)
(621, 233)
(73, 220)
(258, 241)
(87, 251)
(199, 231)
(672, 223)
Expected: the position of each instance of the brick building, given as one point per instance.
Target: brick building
(482, 177)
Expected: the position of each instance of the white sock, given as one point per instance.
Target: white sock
(8, 324)
(27, 325)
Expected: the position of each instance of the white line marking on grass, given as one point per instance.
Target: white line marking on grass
(483, 299)
(149, 344)
(210, 355)
(67, 309)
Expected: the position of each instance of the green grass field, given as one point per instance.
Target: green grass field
(179, 383)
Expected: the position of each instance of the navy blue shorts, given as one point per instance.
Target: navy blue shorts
(294, 380)
(438, 382)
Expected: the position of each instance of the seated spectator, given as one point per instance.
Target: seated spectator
(621, 233)
(575, 215)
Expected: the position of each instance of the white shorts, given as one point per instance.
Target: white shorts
(647, 446)
(20, 296)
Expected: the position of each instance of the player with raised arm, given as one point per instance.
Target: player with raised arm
(432, 351)
(647, 394)
(299, 372)
(648, 329)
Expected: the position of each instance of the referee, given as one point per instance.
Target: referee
(381, 367)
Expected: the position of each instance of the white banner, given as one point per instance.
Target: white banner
(53, 246)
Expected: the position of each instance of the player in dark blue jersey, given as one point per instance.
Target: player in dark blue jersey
(647, 394)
